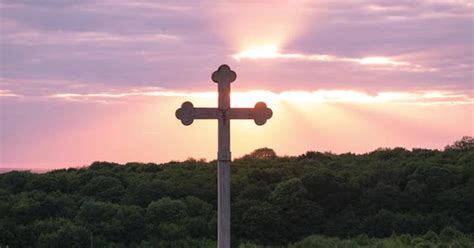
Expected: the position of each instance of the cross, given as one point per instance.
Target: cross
(223, 113)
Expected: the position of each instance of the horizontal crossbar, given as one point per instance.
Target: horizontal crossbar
(188, 113)
(233, 113)
(243, 113)
(205, 113)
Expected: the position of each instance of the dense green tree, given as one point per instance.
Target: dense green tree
(165, 210)
(142, 192)
(104, 188)
(385, 198)
(132, 220)
(300, 214)
(61, 233)
(58, 204)
(15, 181)
(258, 223)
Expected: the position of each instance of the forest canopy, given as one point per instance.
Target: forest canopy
(388, 194)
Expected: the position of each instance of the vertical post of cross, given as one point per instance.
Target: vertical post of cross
(223, 77)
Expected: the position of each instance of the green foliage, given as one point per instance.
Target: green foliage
(165, 210)
(385, 198)
(104, 188)
(395, 241)
(61, 233)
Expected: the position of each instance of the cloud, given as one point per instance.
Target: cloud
(373, 62)
(316, 96)
(382, 45)
(36, 38)
(136, 5)
(105, 96)
(8, 93)
(91, 5)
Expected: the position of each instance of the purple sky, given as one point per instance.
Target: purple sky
(64, 63)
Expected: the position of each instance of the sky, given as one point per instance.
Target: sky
(84, 81)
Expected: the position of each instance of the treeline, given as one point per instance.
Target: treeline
(276, 200)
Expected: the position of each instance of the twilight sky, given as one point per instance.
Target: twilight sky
(82, 81)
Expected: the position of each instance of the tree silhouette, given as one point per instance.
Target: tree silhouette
(262, 153)
(465, 143)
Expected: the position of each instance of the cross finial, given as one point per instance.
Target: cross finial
(224, 75)
(186, 113)
(262, 113)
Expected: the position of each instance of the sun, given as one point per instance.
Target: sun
(258, 52)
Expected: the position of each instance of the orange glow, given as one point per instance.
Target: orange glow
(250, 98)
(323, 120)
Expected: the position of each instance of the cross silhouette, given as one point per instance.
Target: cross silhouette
(224, 76)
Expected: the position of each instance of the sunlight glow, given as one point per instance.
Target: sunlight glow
(342, 96)
(375, 62)
(269, 51)
(249, 98)
(260, 27)
(272, 52)
(265, 52)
